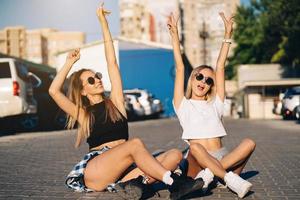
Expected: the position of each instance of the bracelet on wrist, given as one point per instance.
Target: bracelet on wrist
(229, 41)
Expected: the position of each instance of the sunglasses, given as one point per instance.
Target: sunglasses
(201, 77)
(91, 80)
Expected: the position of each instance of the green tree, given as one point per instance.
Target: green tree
(267, 31)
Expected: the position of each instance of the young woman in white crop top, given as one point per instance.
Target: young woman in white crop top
(200, 112)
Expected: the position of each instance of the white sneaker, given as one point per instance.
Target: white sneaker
(237, 184)
(207, 177)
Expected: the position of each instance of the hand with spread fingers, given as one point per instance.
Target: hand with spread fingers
(228, 24)
(172, 23)
(102, 12)
(73, 56)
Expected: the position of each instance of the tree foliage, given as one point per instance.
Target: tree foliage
(267, 31)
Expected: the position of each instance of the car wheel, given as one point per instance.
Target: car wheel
(285, 117)
(29, 122)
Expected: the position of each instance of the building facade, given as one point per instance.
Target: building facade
(261, 86)
(134, 19)
(201, 27)
(38, 45)
(146, 19)
(13, 41)
(60, 41)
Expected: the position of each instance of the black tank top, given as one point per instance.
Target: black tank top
(104, 130)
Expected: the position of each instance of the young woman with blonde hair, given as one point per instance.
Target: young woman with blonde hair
(102, 121)
(200, 112)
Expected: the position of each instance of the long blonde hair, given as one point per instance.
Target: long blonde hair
(210, 94)
(80, 101)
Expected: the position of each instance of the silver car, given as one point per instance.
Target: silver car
(297, 113)
(290, 101)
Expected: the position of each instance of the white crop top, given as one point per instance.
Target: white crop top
(200, 119)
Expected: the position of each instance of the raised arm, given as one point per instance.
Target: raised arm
(220, 71)
(55, 88)
(179, 76)
(112, 65)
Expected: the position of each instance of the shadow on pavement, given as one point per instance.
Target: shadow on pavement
(249, 174)
(249, 193)
(197, 194)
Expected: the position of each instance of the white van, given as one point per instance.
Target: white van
(16, 89)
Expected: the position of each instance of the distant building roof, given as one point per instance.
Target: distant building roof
(127, 44)
(132, 44)
(282, 82)
(263, 75)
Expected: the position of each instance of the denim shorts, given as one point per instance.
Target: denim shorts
(75, 179)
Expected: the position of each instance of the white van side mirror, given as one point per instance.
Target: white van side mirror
(35, 80)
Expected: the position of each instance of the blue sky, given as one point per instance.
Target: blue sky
(245, 2)
(67, 15)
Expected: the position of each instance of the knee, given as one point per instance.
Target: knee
(136, 142)
(175, 154)
(249, 143)
(196, 148)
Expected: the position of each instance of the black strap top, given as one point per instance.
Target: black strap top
(104, 130)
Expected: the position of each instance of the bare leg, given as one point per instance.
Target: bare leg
(205, 160)
(193, 167)
(169, 160)
(237, 159)
(239, 167)
(107, 167)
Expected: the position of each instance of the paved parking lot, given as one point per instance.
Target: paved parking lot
(34, 165)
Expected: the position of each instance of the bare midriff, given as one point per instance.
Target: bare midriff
(210, 144)
(109, 144)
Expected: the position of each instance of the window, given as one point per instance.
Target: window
(5, 70)
(22, 71)
(137, 94)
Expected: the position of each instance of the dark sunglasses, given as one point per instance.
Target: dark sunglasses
(91, 79)
(208, 80)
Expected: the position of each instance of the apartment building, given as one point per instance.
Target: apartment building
(38, 45)
(146, 19)
(13, 41)
(201, 28)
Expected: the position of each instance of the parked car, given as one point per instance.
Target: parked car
(290, 101)
(135, 109)
(17, 103)
(50, 116)
(144, 103)
(297, 113)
